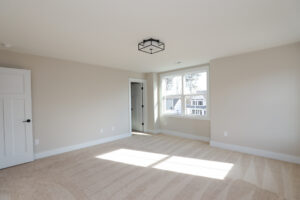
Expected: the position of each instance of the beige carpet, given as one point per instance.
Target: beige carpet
(82, 175)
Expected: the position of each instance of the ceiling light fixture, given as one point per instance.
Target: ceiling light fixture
(151, 46)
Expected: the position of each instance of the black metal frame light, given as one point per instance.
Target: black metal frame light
(151, 46)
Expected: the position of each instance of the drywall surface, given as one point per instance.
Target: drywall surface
(255, 98)
(73, 102)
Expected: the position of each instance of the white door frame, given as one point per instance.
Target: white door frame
(145, 111)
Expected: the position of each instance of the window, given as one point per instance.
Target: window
(184, 93)
(172, 94)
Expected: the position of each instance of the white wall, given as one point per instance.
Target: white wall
(256, 98)
(73, 101)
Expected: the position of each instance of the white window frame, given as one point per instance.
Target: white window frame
(182, 95)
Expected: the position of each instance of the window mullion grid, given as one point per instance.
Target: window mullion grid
(182, 95)
(172, 96)
(163, 104)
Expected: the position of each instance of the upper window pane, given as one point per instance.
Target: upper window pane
(171, 85)
(195, 83)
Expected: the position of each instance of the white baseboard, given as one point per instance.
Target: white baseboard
(79, 146)
(152, 131)
(184, 135)
(257, 152)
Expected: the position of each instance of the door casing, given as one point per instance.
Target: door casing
(144, 81)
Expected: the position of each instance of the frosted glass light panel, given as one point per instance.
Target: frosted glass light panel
(171, 85)
(195, 83)
(172, 105)
(195, 105)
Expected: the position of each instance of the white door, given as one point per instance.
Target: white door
(16, 145)
(137, 107)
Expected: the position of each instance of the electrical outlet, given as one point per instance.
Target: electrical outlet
(113, 128)
(36, 141)
(101, 130)
(225, 133)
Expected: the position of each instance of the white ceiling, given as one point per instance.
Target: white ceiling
(106, 32)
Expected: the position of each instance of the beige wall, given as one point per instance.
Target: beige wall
(256, 98)
(152, 101)
(73, 101)
(197, 127)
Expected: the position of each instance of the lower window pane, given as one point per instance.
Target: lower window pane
(173, 105)
(195, 105)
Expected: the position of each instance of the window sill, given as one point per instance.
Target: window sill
(185, 116)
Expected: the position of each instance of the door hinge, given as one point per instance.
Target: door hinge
(143, 124)
(142, 88)
(142, 106)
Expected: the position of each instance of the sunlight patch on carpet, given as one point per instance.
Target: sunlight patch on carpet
(178, 164)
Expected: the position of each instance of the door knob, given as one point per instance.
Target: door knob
(27, 121)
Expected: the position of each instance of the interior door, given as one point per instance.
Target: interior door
(137, 107)
(16, 142)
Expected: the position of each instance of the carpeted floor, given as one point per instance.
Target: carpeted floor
(151, 167)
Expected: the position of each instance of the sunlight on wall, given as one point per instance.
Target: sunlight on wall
(191, 166)
(155, 99)
(132, 157)
(197, 167)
